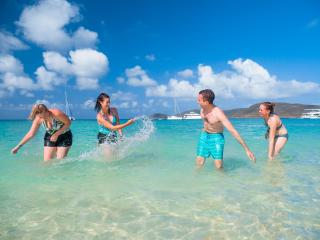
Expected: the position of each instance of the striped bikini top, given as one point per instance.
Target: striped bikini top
(103, 129)
(56, 125)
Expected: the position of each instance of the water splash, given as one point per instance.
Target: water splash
(142, 130)
(128, 143)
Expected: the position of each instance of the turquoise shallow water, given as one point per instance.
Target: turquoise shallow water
(150, 189)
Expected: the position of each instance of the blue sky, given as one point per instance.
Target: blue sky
(145, 53)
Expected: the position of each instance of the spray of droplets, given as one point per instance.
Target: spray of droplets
(143, 129)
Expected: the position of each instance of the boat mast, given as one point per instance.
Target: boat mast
(176, 108)
(68, 111)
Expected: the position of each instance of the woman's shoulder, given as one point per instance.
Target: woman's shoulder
(273, 119)
(37, 120)
(56, 111)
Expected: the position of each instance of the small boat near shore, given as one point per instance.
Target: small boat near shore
(191, 116)
(311, 114)
(177, 115)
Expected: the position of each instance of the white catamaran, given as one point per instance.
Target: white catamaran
(312, 113)
(191, 116)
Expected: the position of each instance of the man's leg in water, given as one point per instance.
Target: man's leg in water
(200, 161)
(218, 163)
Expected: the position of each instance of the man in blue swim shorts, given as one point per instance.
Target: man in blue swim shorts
(211, 141)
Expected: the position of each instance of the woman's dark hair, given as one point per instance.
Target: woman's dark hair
(208, 95)
(269, 106)
(100, 98)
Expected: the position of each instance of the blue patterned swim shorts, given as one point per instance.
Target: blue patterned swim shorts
(211, 144)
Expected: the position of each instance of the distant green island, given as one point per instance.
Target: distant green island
(285, 110)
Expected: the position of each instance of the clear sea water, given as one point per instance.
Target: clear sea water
(150, 188)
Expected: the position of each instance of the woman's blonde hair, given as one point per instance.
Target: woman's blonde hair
(36, 109)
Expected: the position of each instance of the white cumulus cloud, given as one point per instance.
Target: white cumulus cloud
(124, 96)
(45, 22)
(9, 63)
(218, 82)
(187, 73)
(12, 77)
(247, 79)
(89, 63)
(84, 38)
(8, 42)
(12, 82)
(85, 65)
(57, 63)
(47, 80)
(175, 88)
(157, 91)
(26, 93)
(251, 80)
(88, 104)
(138, 77)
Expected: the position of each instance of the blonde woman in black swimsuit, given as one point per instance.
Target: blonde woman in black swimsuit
(58, 136)
(276, 132)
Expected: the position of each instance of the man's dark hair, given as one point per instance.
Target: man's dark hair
(208, 95)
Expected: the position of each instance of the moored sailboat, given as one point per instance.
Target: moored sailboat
(177, 115)
(68, 110)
